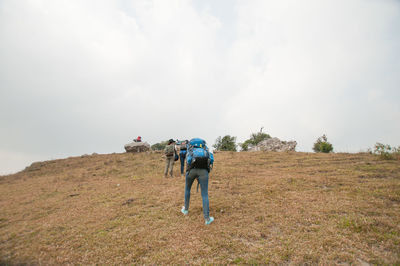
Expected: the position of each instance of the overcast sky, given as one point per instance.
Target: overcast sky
(84, 76)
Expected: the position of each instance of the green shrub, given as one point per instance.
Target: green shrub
(254, 139)
(245, 145)
(159, 146)
(322, 145)
(227, 143)
(386, 152)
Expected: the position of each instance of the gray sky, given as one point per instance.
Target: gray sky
(78, 77)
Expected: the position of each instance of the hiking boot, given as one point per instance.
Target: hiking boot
(185, 212)
(210, 220)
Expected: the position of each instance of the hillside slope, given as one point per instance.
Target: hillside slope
(297, 208)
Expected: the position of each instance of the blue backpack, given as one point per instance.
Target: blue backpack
(198, 155)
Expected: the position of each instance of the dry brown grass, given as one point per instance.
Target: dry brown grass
(269, 208)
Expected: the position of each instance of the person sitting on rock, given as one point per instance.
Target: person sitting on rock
(138, 139)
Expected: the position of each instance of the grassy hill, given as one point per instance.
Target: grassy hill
(276, 208)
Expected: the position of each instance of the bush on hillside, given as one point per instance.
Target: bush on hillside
(159, 146)
(227, 143)
(255, 138)
(322, 145)
(386, 152)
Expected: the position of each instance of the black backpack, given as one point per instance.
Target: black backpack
(183, 146)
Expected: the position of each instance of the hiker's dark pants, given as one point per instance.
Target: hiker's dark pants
(182, 157)
(202, 175)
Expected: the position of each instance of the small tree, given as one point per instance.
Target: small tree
(227, 143)
(159, 146)
(254, 139)
(322, 145)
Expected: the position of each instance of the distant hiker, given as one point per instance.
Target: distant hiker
(199, 162)
(182, 155)
(170, 152)
(138, 139)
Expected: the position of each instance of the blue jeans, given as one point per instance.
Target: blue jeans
(182, 157)
(202, 175)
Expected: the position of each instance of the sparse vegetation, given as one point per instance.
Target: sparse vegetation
(387, 152)
(269, 208)
(255, 138)
(322, 145)
(227, 143)
(159, 146)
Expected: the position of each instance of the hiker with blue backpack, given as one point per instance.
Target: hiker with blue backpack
(199, 162)
(182, 155)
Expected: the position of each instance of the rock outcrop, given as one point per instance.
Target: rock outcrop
(137, 147)
(274, 144)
